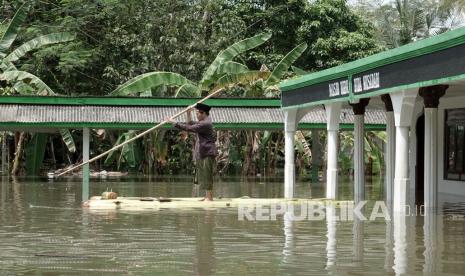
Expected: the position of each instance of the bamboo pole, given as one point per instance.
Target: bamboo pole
(140, 134)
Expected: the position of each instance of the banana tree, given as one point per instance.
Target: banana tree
(129, 155)
(216, 75)
(222, 66)
(22, 82)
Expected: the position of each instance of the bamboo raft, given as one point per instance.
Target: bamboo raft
(154, 203)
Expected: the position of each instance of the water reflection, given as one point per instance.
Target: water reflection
(358, 242)
(288, 230)
(43, 230)
(204, 257)
(330, 236)
(432, 232)
(388, 247)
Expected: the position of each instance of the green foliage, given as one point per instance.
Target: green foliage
(202, 44)
(35, 151)
(336, 35)
(67, 138)
(285, 63)
(229, 54)
(26, 83)
(129, 156)
(11, 32)
(149, 80)
(400, 22)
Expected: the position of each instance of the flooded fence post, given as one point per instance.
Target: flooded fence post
(85, 168)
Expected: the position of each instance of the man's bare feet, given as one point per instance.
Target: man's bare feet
(206, 199)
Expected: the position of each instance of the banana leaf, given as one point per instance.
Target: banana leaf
(23, 89)
(246, 78)
(298, 71)
(28, 78)
(285, 63)
(229, 54)
(188, 91)
(12, 31)
(35, 151)
(232, 67)
(128, 151)
(38, 42)
(130, 154)
(149, 80)
(68, 139)
(114, 154)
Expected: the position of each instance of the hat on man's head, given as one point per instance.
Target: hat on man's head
(203, 107)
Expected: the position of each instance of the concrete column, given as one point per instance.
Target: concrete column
(290, 126)
(289, 165)
(359, 164)
(403, 104)
(333, 113)
(401, 177)
(390, 151)
(85, 168)
(359, 149)
(431, 97)
(291, 120)
(431, 158)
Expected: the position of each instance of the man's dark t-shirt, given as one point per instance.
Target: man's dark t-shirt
(205, 143)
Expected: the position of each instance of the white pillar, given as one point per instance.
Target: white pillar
(289, 164)
(403, 104)
(290, 126)
(431, 96)
(390, 152)
(291, 120)
(333, 112)
(431, 155)
(85, 168)
(401, 177)
(359, 164)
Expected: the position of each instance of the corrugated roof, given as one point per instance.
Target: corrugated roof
(55, 114)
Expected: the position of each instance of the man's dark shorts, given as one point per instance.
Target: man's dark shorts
(204, 170)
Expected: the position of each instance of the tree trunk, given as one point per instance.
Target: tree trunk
(18, 154)
(52, 152)
(4, 166)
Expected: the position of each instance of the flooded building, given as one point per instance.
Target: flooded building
(421, 88)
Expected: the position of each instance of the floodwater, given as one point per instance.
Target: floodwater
(44, 231)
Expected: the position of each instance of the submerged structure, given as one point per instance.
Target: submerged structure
(49, 114)
(421, 88)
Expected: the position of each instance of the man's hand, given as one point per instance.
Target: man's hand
(170, 120)
(189, 115)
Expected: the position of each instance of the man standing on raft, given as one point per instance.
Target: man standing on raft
(205, 149)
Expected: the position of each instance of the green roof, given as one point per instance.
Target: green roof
(138, 101)
(415, 49)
